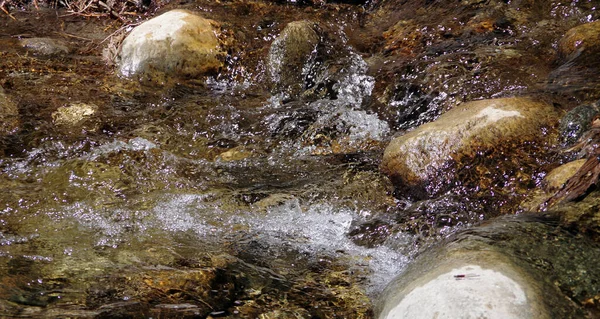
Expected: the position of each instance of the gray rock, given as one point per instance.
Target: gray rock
(513, 267)
(575, 123)
(45, 46)
(293, 54)
(177, 43)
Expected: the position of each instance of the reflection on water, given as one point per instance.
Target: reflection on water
(227, 197)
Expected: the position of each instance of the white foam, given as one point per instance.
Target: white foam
(322, 229)
(363, 125)
(134, 144)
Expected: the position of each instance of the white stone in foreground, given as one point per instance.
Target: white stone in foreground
(466, 292)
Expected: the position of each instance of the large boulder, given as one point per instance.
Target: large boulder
(513, 267)
(293, 54)
(430, 157)
(176, 43)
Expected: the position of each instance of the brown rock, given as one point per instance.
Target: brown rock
(584, 38)
(428, 158)
(560, 175)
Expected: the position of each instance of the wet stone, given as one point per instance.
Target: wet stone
(345, 131)
(552, 183)
(579, 53)
(580, 42)
(45, 46)
(177, 43)
(74, 113)
(576, 122)
(582, 216)
(430, 157)
(559, 176)
(511, 267)
(293, 54)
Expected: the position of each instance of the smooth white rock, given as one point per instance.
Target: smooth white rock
(177, 42)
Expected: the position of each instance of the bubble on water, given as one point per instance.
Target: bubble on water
(134, 144)
(323, 229)
(355, 85)
(180, 213)
(318, 230)
(362, 125)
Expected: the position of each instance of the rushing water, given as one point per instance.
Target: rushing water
(278, 196)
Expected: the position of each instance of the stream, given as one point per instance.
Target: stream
(237, 194)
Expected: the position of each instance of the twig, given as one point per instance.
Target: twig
(112, 11)
(119, 30)
(6, 11)
(73, 36)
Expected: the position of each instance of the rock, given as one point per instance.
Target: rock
(560, 175)
(9, 114)
(551, 184)
(293, 54)
(430, 157)
(176, 43)
(579, 53)
(404, 37)
(45, 46)
(581, 40)
(575, 123)
(582, 216)
(73, 114)
(235, 154)
(500, 270)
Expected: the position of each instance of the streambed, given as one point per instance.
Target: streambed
(225, 197)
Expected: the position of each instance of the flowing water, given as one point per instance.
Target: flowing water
(264, 200)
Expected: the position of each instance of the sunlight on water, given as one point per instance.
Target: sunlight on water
(314, 230)
(323, 229)
(134, 144)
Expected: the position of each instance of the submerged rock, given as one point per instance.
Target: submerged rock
(345, 131)
(582, 216)
(429, 157)
(551, 184)
(74, 113)
(579, 53)
(176, 43)
(293, 54)
(45, 46)
(9, 114)
(560, 175)
(581, 40)
(501, 270)
(576, 122)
